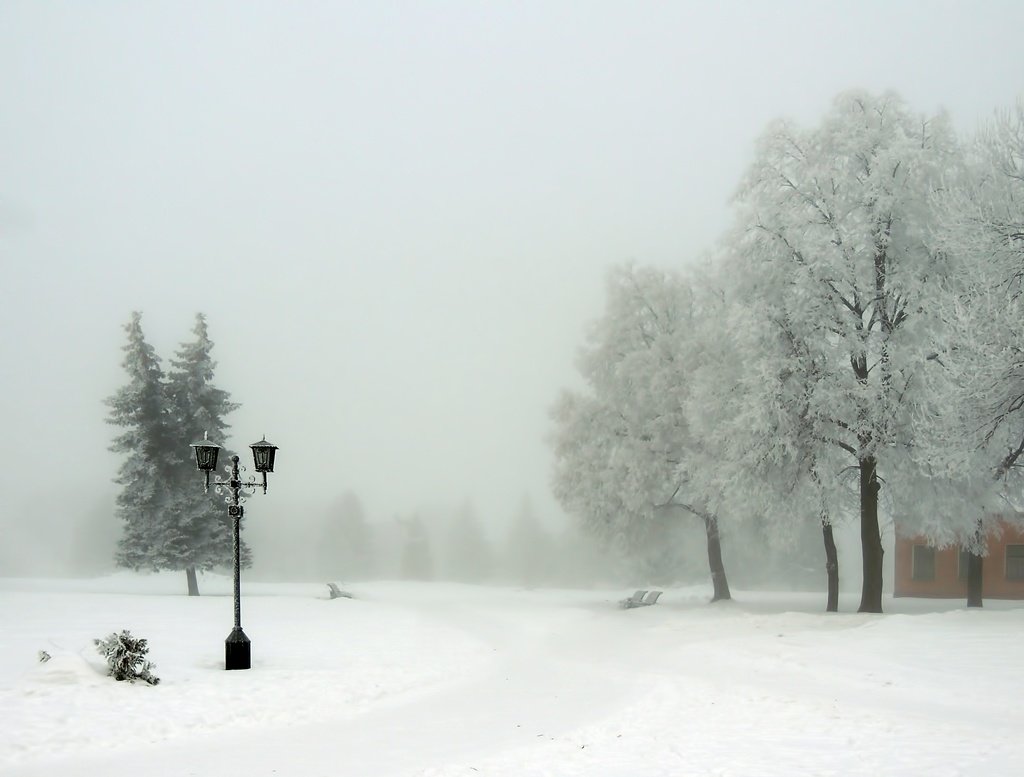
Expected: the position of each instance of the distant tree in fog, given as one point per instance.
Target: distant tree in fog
(579, 559)
(345, 548)
(169, 523)
(468, 554)
(417, 557)
(94, 539)
(530, 555)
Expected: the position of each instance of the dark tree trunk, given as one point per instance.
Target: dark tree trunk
(193, 582)
(831, 565)
(870, 538)
(975, 568)
(718, 579)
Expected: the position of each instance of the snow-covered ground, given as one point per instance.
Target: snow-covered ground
(444, 680)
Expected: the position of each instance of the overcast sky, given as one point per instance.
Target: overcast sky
(397, 216)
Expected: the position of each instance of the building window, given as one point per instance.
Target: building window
(923, 567)
(963, 559)
(1015, 562)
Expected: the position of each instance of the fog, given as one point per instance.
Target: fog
(397, 218)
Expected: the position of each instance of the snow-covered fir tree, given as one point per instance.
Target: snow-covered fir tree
(196, 530)
(126, 657)
(147, 474)
(169, 523)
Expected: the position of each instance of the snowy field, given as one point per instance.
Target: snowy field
(444, 680)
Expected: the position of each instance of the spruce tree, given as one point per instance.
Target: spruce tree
(139, 408)
(169, 522)
(197, 529)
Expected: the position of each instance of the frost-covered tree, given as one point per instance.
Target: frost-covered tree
(196, 530)
(975, 412)
(624, 449)
(981, 231)
(832, 246)
(147, 474)
(763, 428)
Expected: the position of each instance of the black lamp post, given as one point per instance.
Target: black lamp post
(237, 646)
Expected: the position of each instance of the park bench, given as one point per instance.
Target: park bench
(635, 600)
(640, 598)
(337, 593)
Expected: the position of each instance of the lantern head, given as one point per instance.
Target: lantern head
(206, 454)
(263, 454)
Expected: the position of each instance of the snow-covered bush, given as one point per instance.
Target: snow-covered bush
(126, 657)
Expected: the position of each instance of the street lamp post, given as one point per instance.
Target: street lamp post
(237, 653)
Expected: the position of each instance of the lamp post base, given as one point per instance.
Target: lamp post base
(236, 650)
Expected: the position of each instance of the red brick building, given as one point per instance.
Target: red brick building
(922, 570)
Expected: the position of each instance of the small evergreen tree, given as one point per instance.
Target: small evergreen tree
(126, 657)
